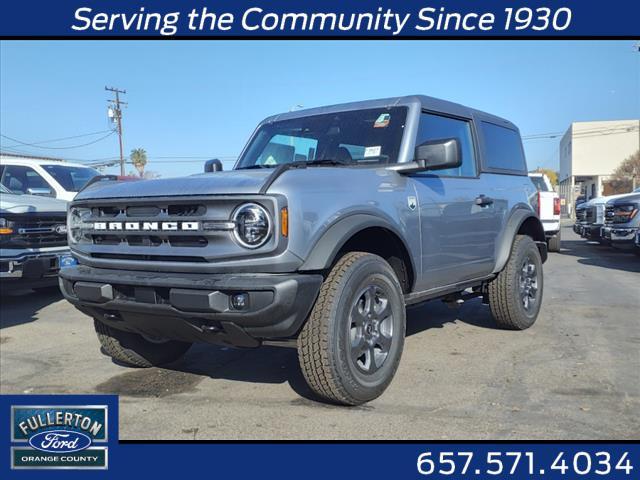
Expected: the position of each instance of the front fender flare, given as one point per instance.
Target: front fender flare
(323, 253)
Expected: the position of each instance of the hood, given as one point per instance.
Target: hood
(628, 198)
(216, 183)
(12, 203)
(602, 200)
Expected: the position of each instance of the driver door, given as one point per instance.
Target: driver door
(458, 230)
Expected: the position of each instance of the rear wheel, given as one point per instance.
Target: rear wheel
(515, 295)
(553, 243)
(350, 347)
(135, 350)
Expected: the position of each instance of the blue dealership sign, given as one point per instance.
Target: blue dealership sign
(321, 19)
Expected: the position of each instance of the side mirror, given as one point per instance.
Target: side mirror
(433, 155)
(214, 165)
(42, 192)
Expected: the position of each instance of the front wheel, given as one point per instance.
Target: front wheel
(350, 347)
(515, 295)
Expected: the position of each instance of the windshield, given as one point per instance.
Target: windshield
(4, 189)
(358, 137)
(72, 179)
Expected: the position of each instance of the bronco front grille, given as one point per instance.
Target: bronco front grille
(187, 229)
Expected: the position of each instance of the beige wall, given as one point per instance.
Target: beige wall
(565, 155)
(597, 148)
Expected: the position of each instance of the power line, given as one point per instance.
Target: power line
(117, 115)
(111, 132)
(20, 142)
(594, 132)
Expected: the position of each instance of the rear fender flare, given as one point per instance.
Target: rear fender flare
(503, 246)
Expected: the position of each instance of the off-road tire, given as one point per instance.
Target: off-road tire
(133, 350)
(504, 291)
(553, 244)
(325, 344)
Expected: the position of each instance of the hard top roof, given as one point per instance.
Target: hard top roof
(423, 101)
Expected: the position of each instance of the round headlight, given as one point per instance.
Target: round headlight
(74, 225)
(252, 225)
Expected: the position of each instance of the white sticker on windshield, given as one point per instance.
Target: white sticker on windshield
(372, 151)
(382, 121)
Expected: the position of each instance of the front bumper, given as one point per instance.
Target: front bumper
(592, 232)
(27, 268)
(620, 237)
(194, 307)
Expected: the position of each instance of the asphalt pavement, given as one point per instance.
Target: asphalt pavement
(574, 375)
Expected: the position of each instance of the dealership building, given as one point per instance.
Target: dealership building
(589, 154)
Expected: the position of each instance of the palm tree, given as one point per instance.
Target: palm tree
(139, 159)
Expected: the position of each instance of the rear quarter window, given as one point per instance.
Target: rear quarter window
(503, 149)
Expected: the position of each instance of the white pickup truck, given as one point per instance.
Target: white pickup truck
(548, 209)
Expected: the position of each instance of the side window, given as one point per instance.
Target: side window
(503, 148)
(436, 127)
(286, 149)
(19, 178)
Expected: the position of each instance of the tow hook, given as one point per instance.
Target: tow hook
(210, 328)
(112, 317)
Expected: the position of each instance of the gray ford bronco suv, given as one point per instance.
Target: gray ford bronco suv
(332, 221)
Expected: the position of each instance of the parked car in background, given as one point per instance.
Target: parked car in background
(33, 237)
(592, 219)
(50, 178)
(622, 221)
(548, 209)
(580, 218)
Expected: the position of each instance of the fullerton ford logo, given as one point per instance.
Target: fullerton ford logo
(60, 441)
(55, 436)
(147, 226)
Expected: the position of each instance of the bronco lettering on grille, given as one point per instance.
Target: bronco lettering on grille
(147, 226)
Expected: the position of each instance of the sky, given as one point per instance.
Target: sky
(193, 100)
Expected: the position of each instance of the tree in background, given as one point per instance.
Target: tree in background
(148, 174)
(552, 174)
(626, 177)
(139, 159)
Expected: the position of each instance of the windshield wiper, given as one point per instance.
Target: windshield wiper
(299, 164)
(326, 161)
(280, 169)
(256, 166)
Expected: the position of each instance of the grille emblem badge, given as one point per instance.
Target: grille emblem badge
(147, 226)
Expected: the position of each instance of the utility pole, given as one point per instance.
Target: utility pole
(117, 117)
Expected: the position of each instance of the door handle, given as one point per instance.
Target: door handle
(483, 200)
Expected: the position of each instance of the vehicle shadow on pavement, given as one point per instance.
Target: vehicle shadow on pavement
(435, 314)
(22, 307)
(276, 365)
(601, 255)
(266, 364)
